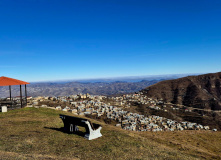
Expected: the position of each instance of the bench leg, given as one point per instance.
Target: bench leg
(76, 129)
(93, 134)
(73, 128)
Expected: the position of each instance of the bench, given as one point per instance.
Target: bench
(71, 125)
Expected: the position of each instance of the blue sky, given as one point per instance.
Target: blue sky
(76, 39)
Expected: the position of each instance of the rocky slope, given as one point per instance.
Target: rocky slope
(203, 91)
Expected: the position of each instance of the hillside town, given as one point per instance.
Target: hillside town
(116, 109)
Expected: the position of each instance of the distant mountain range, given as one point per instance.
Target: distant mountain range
(108, 86)
(123, 79)
(70, 88)
(203, 91)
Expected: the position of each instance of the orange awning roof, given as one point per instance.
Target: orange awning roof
(6, 81)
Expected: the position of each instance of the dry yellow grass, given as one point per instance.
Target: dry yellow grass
(32, 133)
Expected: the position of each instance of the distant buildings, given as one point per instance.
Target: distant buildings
(85, 104)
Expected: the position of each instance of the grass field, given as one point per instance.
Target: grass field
(35, 133)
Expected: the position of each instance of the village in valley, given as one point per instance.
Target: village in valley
(120, 112)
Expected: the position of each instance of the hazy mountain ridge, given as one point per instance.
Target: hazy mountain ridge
(70, 88)
(120, 79)
(201, 91)
(102, 86)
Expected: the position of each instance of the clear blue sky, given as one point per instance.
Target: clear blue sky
(74, 39)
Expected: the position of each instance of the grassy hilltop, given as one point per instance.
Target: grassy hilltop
(32, 133)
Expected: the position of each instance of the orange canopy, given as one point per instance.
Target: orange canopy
(6, 81)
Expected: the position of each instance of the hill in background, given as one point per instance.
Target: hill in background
(203, 91)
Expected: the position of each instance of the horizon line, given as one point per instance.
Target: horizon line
(113, 78)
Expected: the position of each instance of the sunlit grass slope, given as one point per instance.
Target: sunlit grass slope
(32, 133)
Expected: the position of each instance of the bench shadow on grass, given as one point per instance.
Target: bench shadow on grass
(79, 133)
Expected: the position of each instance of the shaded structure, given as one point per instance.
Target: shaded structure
(6, 81)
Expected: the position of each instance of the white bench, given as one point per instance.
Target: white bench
(71, 123)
